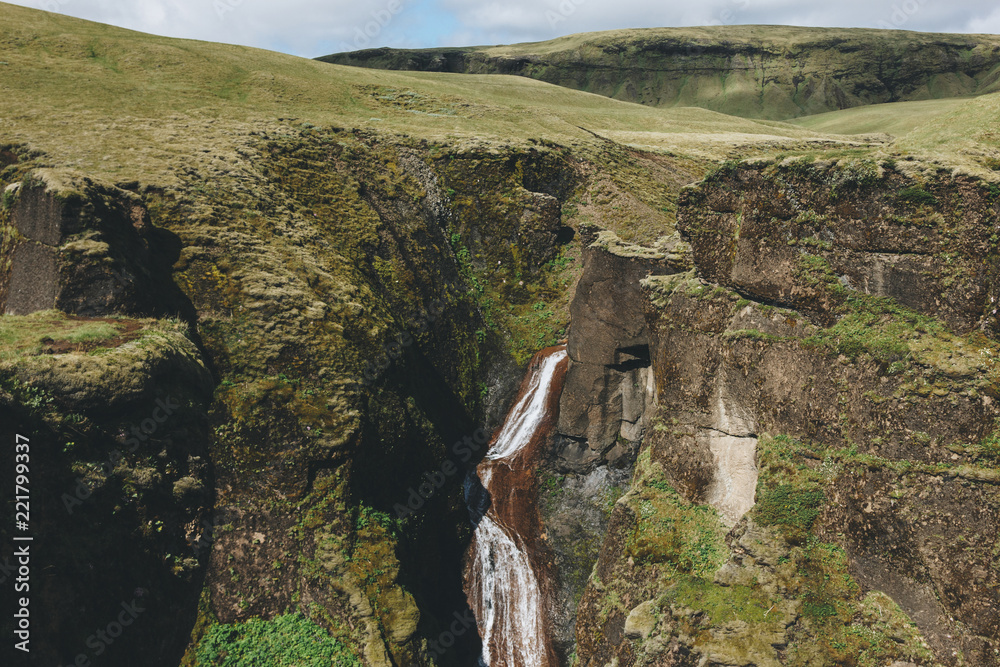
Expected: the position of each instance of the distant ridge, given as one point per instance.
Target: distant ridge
(766, 72)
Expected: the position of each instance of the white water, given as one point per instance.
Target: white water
(506, 594)
(507, 583)
(524, 419)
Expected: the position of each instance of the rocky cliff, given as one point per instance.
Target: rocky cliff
(819, 482)
(348, 325)
(751, 71)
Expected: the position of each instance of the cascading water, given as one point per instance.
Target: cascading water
(502, 578)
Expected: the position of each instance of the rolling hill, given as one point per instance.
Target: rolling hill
(772, 72)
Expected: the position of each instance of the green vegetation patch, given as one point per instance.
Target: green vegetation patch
(844, 628)
(722, 604)
(29, 335)
(900, 339)
(788, 505)
(873, 325)
(687, 538)
(750, 334)
(520, 289)
(789, 486)
(988, 450)
(291, 640)
(827, 589)
(917, 196)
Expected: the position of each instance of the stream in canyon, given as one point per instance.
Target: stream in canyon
(505, 578)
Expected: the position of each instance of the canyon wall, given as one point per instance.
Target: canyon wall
(350, 319)
(822, 469)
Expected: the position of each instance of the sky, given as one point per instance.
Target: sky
(313, 28)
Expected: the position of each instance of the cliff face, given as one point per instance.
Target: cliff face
(751, 71)
(356, 313)
(83, 247)
(822, 466)
(119, 477)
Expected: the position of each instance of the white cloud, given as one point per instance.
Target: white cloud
(988, 24)
(316, 27)
(303, 27)
(588, 15)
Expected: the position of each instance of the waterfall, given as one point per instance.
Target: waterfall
(503, 580)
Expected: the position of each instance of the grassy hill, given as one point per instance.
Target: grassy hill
(774, 72)
(895, 118)
(123, 104)
(117, 102)
(957, 132)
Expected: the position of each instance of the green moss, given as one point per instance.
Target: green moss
(683, 537)
(722, 171)
(205, 620)
(917, 196)
(519, 288)
(788, 505)
(722, 604)
(286, 641)
(550, 488)
(856, 172)
(815, 271)
(812, 242)
(7, 199)
(877, 326)
(789, 488)
(828, 592)
(988, 450)
(36, 399)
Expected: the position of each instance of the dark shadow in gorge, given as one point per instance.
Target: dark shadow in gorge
(408, 408)
(87, 564)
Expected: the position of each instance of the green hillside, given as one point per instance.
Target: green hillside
(775, 72)
(112, 101)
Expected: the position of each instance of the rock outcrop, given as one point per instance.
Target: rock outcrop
(83, 248)
(114, 436)
(609, 389)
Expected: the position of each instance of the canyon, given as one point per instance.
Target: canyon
(318, 363)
